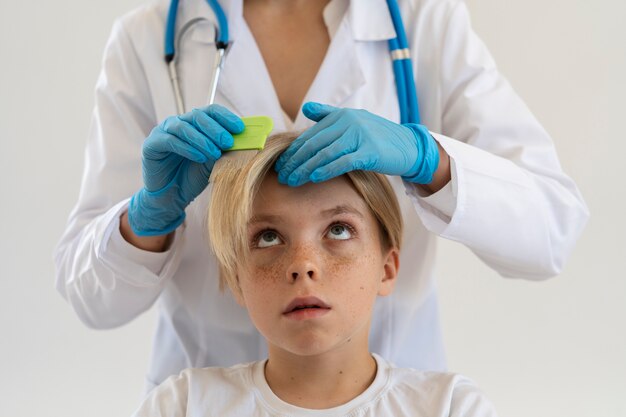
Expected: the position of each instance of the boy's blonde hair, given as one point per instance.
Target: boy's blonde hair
(235, 186)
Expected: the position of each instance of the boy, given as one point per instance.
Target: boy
(308, 263)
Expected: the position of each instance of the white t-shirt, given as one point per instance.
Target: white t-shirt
(242, 390)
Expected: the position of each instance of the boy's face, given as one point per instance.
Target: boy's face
(316, 266)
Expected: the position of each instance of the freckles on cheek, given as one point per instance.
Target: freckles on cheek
(259, 288)
(357, 257)
(264, 273)
(355, 272)
(350, 265)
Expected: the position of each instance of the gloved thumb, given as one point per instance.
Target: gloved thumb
(317, 111)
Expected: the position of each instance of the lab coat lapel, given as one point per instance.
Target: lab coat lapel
(370, 20)
(192, 9)
(244, 85)
(247, 86)
(340, 74)
(245, 82)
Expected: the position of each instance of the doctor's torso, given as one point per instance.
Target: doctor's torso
(197, 323)
(508, 200)
(293, 50)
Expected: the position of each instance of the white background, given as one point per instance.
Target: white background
(556, 348)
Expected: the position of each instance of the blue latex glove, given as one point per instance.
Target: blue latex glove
(177, 159)
(345, 139)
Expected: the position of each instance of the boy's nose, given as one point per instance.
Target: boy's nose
(304, 264)
(309, 273)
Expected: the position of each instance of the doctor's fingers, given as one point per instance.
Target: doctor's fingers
(306, 149)
(211, 127)
(354, 161)
(317, 111)
(327, 124)
(229, 120)
(184, 139)
(335, 149)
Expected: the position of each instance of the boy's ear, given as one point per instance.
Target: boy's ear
(390, 271)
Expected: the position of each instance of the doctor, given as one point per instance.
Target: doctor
(491, 177)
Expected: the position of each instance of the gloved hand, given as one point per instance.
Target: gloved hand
(177, 159)
(348, 139)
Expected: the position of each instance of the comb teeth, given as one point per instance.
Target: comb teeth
(232, 160)
(247, 144)
(254, 135)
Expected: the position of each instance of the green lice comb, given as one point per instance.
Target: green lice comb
(247, 144)
(254, 135)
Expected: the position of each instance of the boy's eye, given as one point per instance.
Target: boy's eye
(339, 231)
(267, 238)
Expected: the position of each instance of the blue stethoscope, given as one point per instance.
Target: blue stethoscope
(398, 47)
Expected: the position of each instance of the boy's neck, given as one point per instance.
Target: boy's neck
(322, 381)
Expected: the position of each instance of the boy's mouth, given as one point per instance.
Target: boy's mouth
(302, 304)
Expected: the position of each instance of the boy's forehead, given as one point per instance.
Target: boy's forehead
(335, 196)
(261, 216)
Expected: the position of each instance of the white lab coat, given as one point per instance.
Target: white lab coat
(508, 200)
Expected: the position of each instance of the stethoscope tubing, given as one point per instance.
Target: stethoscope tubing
(398, 48)
(222, 33)
(405, 83)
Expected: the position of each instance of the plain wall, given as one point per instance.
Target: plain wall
(555, 348)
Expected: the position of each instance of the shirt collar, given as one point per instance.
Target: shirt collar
(370, 20)
(192, 9)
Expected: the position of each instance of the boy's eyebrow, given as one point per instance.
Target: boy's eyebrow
(340, 209)
(270, 218)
